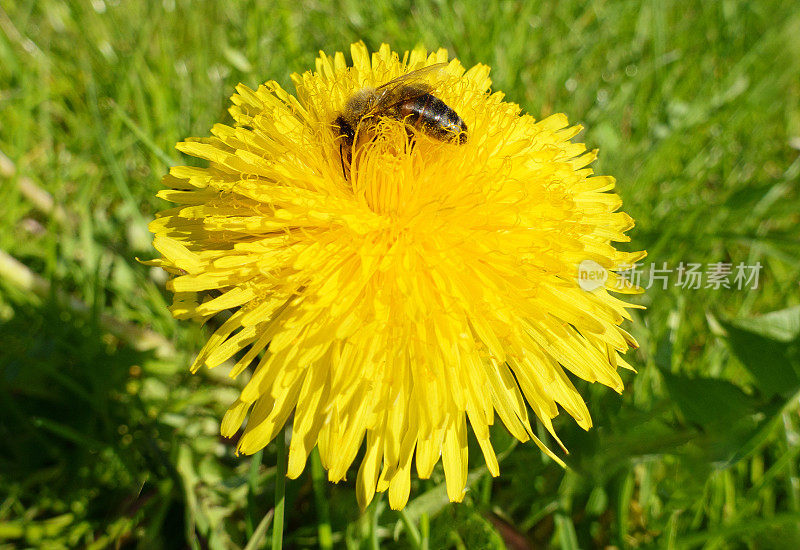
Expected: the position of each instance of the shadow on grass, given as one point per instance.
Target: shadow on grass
(81, 457)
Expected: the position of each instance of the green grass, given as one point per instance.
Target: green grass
(695, 107)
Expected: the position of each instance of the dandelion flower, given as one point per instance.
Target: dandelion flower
(427, 290)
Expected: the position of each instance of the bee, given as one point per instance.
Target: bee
(407, 98)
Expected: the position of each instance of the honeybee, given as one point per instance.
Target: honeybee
(407, 98)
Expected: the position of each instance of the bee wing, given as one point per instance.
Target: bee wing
(408, 86)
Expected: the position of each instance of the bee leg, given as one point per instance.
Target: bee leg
(411, 132)
(346, 135)
(341, 157)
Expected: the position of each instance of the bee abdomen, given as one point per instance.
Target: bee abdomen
(434, 117)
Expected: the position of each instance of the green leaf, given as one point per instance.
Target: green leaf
(708, 401)
(782, 325)
(466, 524)
(747, 439)
(768, 346)
(567, 537)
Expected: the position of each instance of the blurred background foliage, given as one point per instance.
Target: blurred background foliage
(107, 441)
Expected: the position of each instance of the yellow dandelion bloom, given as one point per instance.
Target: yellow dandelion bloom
(391, 296)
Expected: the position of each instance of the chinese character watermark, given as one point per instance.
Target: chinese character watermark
(686, 275)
